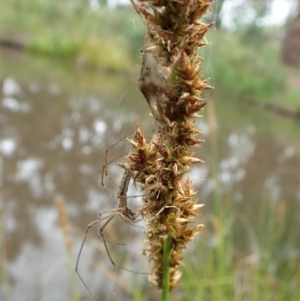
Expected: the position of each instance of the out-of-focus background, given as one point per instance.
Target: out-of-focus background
(68, 83)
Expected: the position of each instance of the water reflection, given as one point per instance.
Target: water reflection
(54, 134)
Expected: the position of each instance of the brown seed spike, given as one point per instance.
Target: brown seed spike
(174, 35)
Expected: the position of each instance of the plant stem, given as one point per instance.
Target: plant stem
(166, 269)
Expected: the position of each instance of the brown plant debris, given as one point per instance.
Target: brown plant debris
(172, 84)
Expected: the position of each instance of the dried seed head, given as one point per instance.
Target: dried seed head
(175, 33)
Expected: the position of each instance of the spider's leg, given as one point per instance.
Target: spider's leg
(79, 255)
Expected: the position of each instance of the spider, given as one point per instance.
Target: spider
(122, 210)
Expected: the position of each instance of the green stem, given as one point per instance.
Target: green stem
(72, 280)
(166, 269)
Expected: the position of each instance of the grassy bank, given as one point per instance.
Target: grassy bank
(109, 39)
(101, 38)
(253, 73)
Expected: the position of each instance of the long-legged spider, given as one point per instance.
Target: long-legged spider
(122, 210)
